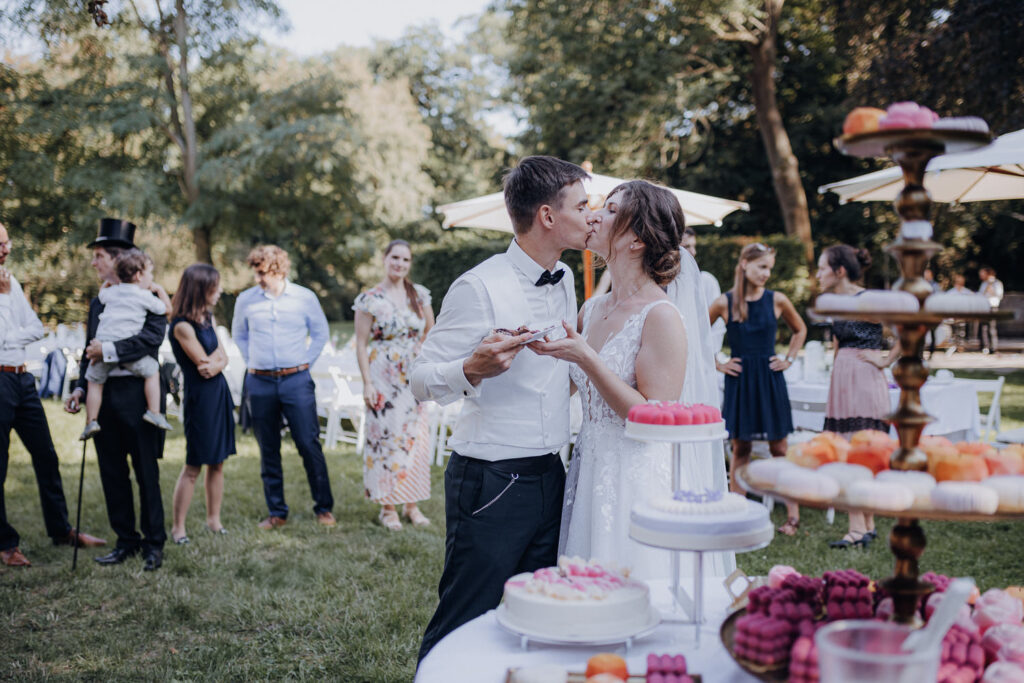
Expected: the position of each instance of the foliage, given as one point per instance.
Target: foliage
(318, 156)
(455, 86)
(437, 268)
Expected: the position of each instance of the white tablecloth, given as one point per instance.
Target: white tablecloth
(954, 404)
(481, 651)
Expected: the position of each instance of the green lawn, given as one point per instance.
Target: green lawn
(304, 602)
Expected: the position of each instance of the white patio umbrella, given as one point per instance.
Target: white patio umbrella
(985, 174)
(488, 211)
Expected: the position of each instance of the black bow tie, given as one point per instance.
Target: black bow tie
(547, 278)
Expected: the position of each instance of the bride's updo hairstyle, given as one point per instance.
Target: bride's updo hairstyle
(654, 215)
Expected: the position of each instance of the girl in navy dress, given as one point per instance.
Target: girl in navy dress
(756, 403)
(207, 406)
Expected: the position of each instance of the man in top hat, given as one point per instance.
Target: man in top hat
(21, 410)
(123, 432)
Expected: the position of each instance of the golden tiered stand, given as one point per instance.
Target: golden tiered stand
(912, 150)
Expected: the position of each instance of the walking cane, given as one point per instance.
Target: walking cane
(78, 515)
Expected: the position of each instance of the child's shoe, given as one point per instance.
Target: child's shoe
(157, 420)
(91, 430)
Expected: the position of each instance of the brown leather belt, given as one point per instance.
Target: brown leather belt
(16, 369)
(279, 373)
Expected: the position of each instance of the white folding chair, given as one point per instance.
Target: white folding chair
(338, 399)
(447, 416)
(990, 422)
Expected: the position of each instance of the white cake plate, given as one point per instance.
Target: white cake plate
(717, 436)
(627, 636)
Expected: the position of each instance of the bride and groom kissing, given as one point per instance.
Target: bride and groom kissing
(510, 507)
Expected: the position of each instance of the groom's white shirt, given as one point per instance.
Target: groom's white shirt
(524, 411)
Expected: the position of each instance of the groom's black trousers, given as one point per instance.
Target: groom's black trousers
(492, 535)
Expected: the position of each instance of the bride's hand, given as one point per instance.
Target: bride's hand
(572, 347)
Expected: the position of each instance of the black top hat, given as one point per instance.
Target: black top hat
(115, 232)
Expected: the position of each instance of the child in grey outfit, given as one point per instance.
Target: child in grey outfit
(124, 313)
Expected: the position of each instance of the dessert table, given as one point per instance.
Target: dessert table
(953, 403)
(481, 651)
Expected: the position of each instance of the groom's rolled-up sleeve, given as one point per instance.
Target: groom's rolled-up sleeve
(464, 320)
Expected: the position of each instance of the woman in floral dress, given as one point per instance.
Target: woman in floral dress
(392, 319)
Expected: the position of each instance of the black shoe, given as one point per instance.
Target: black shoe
(154, 557)
(116, 556)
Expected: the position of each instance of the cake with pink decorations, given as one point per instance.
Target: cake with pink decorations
(576, 599)
(669, 421)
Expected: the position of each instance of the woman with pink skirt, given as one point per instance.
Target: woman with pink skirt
(858, 396)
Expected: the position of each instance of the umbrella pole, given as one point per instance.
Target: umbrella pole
(588, 274)
(78, 515)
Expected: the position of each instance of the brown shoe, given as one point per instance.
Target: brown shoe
(272, 522)
(84, 540)
(14, 558)
(326, 518)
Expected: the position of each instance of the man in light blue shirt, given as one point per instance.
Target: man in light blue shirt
(271, 324)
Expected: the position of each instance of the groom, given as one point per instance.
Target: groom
(504, 482)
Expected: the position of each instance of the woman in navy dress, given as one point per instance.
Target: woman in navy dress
(207, 407)
(756, 403)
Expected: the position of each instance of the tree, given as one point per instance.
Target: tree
(638, 83)
(757, 30)
(175, 39)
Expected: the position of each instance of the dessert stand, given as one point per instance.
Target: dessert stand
(692, 608)
(912, 149)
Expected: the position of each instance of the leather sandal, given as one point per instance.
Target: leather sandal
(416, 516)
(389, 518)
(871, 535)
(852, 538)
(790, 528)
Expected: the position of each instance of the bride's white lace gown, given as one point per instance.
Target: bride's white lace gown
(608, 471)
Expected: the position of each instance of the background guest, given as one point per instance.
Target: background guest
(930, 337)
(21, 410)
(124, 433)
(959, 326)
(858, 395)
(280, 330)
(207, 407)
(756, 403)
(392, 319)
(992, 289)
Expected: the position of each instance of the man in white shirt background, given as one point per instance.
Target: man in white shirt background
(992, 289)
(271, 324)
(21, 410)
(504, 482)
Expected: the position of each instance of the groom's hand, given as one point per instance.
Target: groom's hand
(493, 356)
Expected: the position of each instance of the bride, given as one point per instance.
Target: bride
(629, 347)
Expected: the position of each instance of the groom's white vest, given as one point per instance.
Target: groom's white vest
(527, 405)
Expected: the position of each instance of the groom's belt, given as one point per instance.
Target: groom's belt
(535, 464)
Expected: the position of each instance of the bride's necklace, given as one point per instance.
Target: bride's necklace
(622, 301)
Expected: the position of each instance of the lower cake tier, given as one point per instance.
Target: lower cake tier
(626, 610)
(749, 528)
